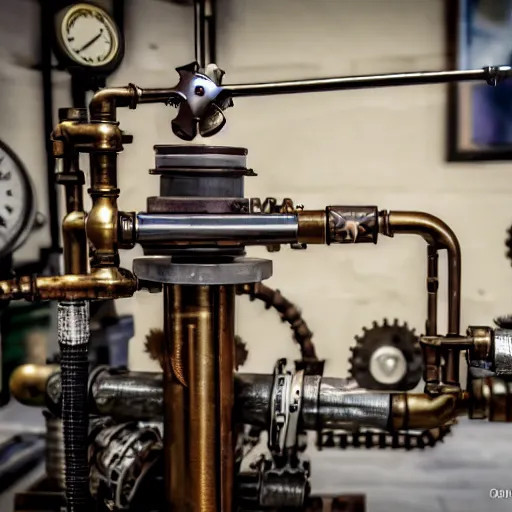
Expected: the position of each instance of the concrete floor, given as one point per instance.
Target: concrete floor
(455, 476)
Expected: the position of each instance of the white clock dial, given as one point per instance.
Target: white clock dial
(89, 35)
(16, 201)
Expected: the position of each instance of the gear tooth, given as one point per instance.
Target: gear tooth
(365, 330)
(351, 349)
(374, 323)
(357, 338)
(385, 322)
(395, 321)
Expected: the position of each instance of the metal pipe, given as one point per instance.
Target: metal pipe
(327, 402)
(243, 228)
(202, 411)
(226, 393)
(440, 236)
(491, 74)
(431, 356)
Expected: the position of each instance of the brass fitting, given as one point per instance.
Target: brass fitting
(491, 399)
(28, 383)
(420, 411)
(105, 102)
(312, 227)
(86, 137)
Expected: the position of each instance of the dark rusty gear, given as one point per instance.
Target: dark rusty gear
(387, 357)
(241, 352)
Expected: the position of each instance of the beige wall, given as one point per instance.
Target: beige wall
(383, 147)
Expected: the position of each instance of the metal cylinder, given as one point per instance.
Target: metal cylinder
(198, 396)
(214, 228)
(73, 336)
(197, 179)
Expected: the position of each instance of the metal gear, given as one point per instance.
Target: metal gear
(387, 358)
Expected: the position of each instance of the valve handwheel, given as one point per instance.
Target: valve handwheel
(387, 357)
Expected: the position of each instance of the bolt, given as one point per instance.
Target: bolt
(199, 90)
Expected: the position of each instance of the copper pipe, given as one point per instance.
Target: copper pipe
(226, 337)
(104, 103)
(437, 234)
(420, 411)
(175, 424)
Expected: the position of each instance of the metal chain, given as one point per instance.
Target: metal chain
(408, 440)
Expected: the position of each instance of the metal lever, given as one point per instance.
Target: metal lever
(201, 98)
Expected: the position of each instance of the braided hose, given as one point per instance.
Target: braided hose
(73, 337)
(288, 312)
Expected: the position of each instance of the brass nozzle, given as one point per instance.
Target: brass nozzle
(28, 383)
(420, 411)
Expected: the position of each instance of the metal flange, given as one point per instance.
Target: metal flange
(162, 269)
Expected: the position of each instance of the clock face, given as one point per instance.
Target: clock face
(16, 201)
(89, 36)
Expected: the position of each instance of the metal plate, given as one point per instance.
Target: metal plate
(161, 269)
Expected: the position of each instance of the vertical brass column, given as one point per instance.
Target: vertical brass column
(198, 368)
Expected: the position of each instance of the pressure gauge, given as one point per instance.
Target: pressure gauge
(17, 208)
(88, 39)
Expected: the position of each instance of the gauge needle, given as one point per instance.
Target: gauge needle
(92, 41)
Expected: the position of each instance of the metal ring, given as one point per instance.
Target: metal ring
(162, 269)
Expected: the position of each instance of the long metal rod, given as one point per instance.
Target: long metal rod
(244, 228)
(492, 75)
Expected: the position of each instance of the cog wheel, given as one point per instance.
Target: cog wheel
(387, 358)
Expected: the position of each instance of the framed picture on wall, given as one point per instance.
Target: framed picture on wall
(479, 116)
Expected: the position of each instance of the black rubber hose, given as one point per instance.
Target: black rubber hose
(73, 336)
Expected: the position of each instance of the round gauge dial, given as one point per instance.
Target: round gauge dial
(87, 36)
(16, 201)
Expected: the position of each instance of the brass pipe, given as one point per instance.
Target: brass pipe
(226, 369)
(420, 411)
(202, 460)
(103, 283)
(175, 424)
(101, 223)
(439, 236)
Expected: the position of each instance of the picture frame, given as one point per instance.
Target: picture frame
(479, 117)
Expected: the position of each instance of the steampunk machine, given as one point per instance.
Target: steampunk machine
(180, 439)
